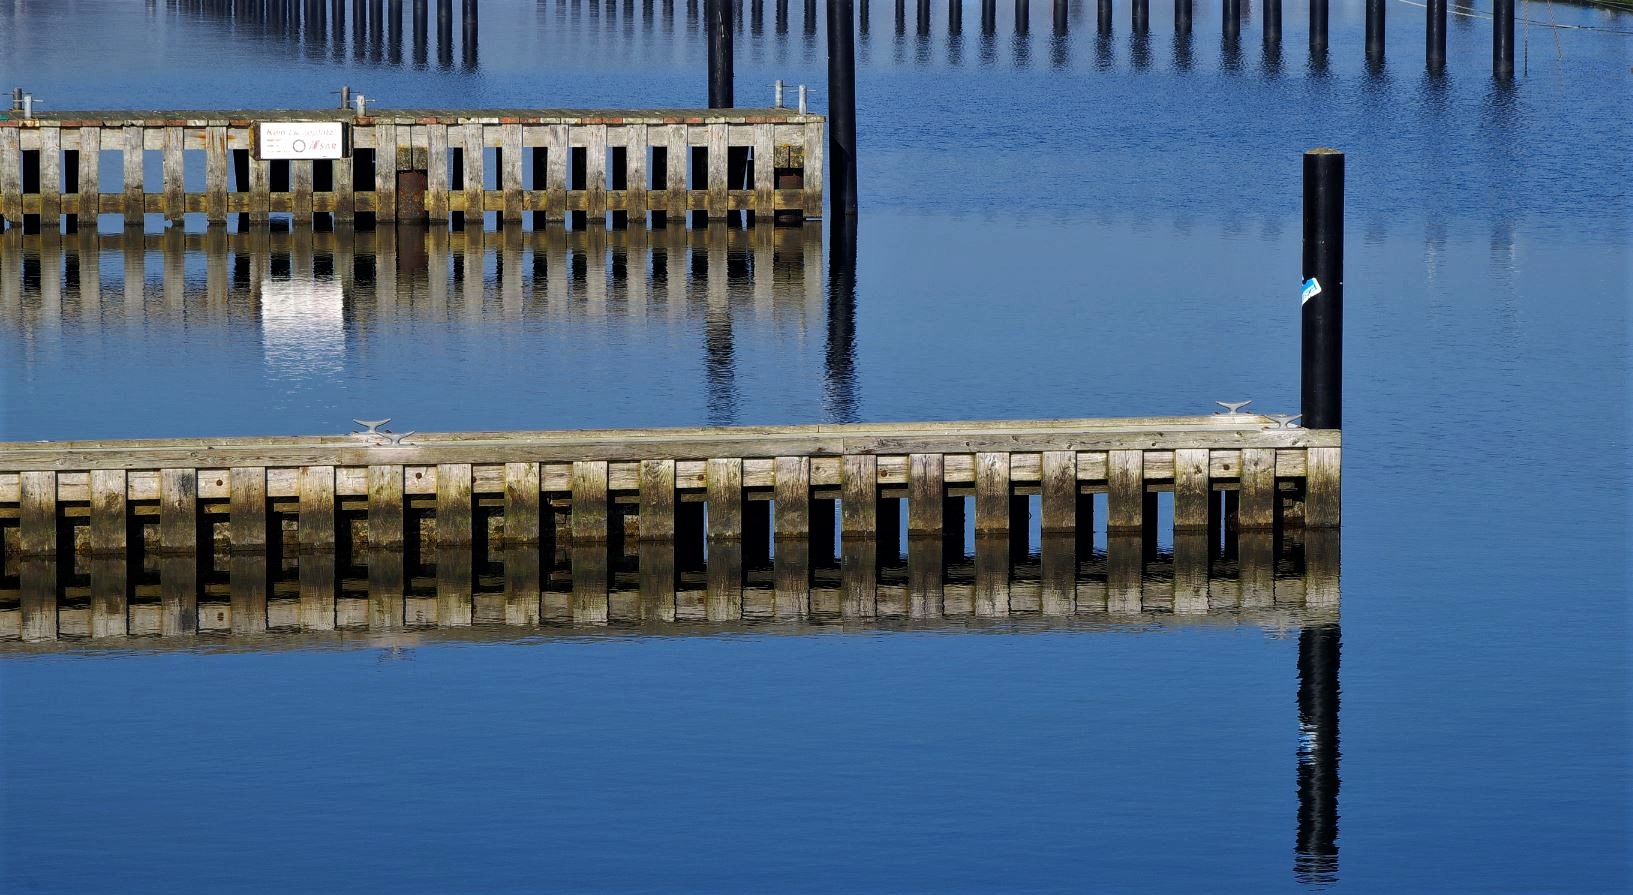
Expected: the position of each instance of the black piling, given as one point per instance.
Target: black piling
(1316, 852)
(1434, 34)
(1182, 16)
(1230, 20)
(1375, 31)
(468, 46)
(420, 32)
(445, 33)
(1102, 16)
(989, 16)
(717, 16)
(1322, 354)
(1318, 27)
(955, 16)
(1140, 16)
(842, 106)
(1023, 16)
(924, 17)
(1060, 18)
(1272, 23)
(1502, 38)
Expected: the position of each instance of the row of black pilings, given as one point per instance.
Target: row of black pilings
(375, 27)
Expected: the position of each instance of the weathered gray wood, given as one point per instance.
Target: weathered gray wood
(991, 575)
(764, 173)
(385, 172)
(814, 151)
(556, 149)
(718, 183)
(522, 543)
(676, 147)
(595, 171)
(635, 200)
(657, 507)
(473, 170)
(590, 510)
(11, 176)
(260, 190)
(178, 544)
(926, 495)
(108, 549)
(1059, 573)
(318, 580)
(992, 493)
(859, 497)
(1125, 484)
(345, 191)
(1193, 491)
(175, 187)
(50, 179)
(90, 176)
(216, 161)
(135, 196)
(1257, 509)
(436, 175)
(455, 536)
(724, 483)
(791, 560)
(510, 172)
(38, 554)
(386, 560)
(1191, 559)
(1058, 504)
(300, 187)
(249, 562)
(925, 575)
(1322, 488)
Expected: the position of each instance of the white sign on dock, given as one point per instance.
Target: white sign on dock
(301, 140)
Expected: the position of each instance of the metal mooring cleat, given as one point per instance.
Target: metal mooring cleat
(1235, 407)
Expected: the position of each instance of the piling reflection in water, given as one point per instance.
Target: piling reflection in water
(374, 34)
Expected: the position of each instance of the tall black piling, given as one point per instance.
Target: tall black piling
(1434, 37)
(1140, 16)
(1316, 851)
(989, 16)
(717, 16)
(1023, 16)
(1322, 353)
(468, 48)
(1230, 20)
(1272, 23)
(955, 16)
(1502, 38)
(1102, 16)
(445, 34)
(840, 396)
(1375, 31)
(924, 17)
(420, 36)
(842, 107)
(1182, 16)
(1318, 27)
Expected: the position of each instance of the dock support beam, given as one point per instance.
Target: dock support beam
(1182, 17)
(1231, 21)
(1434, 37)
(718, 17)
(1502, 39)
(1375, 31)
(1322, 354)
(842, 105)
(1272, 23)
(1318, 28)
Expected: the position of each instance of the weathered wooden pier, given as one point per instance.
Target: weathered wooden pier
(608, 167)
(170, 524)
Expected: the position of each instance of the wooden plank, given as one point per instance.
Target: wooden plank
(474, 167)
(595, 171)
(1193, 491)
(510, 173)
(436, 174)
(718, 183)
(90, 175)
(1058, 504)
(300, 185)
(675, 143)
(178, 542)
(216, 163)
(813, 170)
(248, 524)
(725, 499)
(859, 500)
(791, 521)
(317, 548)
(556, 149)
(50, 179)
(108, 550)
(455, 537)
(1125, 483)
(345, 194)
(386, 559)
(38, 554)
(260, 190)
(173, 163)
(11, 176)
(765, 176)
(589, 486)
(926, 495)
(135, 199)
(992, 493)
(385, 172)
(522, 540)
(635, 199)
(1323, 496)
(1257, 508)
(657, 508)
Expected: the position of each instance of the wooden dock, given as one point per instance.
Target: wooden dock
(167, 523)
(411, 166)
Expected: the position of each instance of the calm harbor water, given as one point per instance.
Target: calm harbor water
(1053, 225)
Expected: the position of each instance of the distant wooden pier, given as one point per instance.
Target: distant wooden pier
(413, 166)
(166, 522)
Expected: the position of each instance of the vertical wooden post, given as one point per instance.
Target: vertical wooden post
(1059, 532)
(110, 530)
(385, 173)
(215, 174)
(51, 176)
(37, 545)
(180, 554)
(455, 537)
(1059, 503)
(926, 495)
(792, 522)
(591, 533)
(260, 191)
(860, 496)
(11, 177)
(1257, 507)
(135, 200)
(992, 494)
(510, 173)
(522, 542)
(317, 548)
(1125, 483)
(386, 547)
(1193, 491)
(248, 523)
(300, 186)
(175, 186)
(657, 547)
(475, 208)
(437, 183)
(1322, 493)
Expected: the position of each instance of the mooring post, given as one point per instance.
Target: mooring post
(717, 18)
(1272, 23)
(468, 50)
(1318, 27)
(1182, 16)
(1502, 39)
(1316, 852)
(1140, 16)
(1231, 21)
(842, 106)
(1435, 37)
(1375, 31)
(1102, 16)
(1322, 356)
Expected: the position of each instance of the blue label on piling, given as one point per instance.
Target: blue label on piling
(1312, 288)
